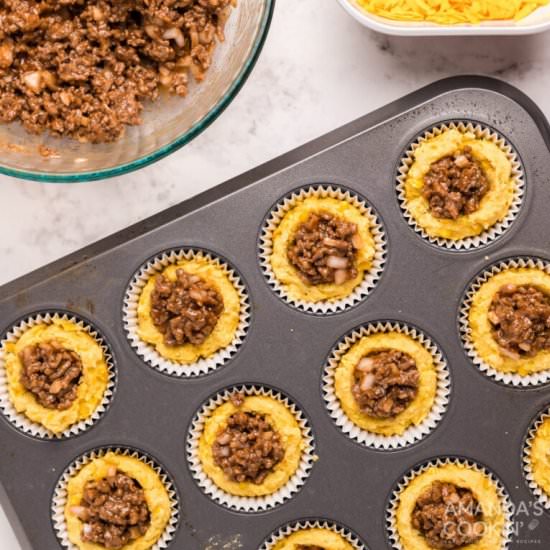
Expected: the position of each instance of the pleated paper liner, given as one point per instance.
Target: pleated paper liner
(371, 277)
(482, 132)
(414, 433)
(539, 493)
(286, 530)
(510, 379)
(20, 420)
(394, 500)
(147, 351)
(59, 499)
(249, 504)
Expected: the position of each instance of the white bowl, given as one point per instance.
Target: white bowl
(538, 21)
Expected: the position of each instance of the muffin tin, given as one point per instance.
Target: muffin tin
(287, 349)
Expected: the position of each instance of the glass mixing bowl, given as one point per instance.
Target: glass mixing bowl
(168, 123)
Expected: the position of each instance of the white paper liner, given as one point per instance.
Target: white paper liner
(391, 513)
(249, 504)
(300, 525)
(414, 433)
(542, 497)
(147, 351)
(511, 379)
(59, 499)
(371, 276)
(20, 420)
(481, 132)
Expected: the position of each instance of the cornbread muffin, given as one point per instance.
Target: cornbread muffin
(233, 433)
(459, 185)
(314, 538)
(451, 506)
(386, 383)
(189, 311)
(57, 374)
(539, 457)
(509, 320)
(322, 248)
(116, 501)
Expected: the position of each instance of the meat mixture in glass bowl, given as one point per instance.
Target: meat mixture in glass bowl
(248, 447)
(185, 310)
(455, 185)
(114, 511)
(51, 373)
(385, 383)
(520, 319)
(84, 69)
(448, 517)
(324, 248)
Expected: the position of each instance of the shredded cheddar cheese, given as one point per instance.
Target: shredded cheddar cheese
(452, 12)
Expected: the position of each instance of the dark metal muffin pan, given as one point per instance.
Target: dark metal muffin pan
(421, 284)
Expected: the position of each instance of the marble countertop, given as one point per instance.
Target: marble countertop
(316, 60)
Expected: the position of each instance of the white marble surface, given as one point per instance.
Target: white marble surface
(319, 70)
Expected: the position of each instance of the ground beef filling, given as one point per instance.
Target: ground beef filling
(248, 448)
(185, 310)
(51, 373)
(309, 547)
(520, 319)
(455, 185)
(385, 383)
(84, 69)
(448, 516)
(324, 249)
(114, 511)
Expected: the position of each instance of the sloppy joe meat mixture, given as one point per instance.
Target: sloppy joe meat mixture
(248, 447)
(51, 373)
(385, 383)
(455, 185)
(448, 517)
(113, 510)
(185, 310)
(84, 68)
(520, 319)
(324, 248)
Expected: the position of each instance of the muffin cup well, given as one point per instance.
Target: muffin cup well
(482, 132)
(371, 277)
(147, 351)
(20, 420)
(541, 496)
(286, 530)
(394, 500)
(413, 434)
(239, 503)
(59, 499)
(531, 380)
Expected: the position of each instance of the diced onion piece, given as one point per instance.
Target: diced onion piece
(366, 364)
(175, 34)
(33, 81)
(356, 241)
(335, 262)
(368, 382)
(340, 276)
